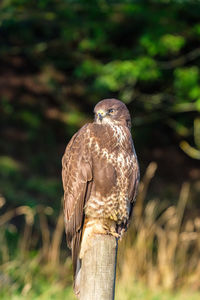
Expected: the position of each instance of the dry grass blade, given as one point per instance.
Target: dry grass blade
(44, 227)
(144, 184)
(56, 240)
(184, 194)
(2, 201)
(157, 251)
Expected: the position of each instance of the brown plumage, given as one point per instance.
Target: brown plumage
(100, 179)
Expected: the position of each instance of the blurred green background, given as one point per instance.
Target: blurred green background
(58, 58)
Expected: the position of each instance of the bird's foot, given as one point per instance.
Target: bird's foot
(115, 234)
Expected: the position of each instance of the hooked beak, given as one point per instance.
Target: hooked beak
(101, 114)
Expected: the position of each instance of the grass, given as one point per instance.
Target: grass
(128, 291)
(161, 250)
(50, 292)
(158, 259)
(136, 291)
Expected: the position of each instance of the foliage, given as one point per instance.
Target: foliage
(144, 53)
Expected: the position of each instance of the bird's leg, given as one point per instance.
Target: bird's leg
(109, 226)
(91, 226)
(121, 229)
(96, 226)
(121, 233)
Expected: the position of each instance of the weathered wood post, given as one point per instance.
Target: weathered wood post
(98, 271)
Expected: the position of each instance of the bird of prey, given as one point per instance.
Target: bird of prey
(100, 176)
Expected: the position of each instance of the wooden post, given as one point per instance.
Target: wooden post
(98, 270)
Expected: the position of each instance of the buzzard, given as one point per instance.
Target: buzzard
(100, 176)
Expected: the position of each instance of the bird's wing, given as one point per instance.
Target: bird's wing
(77, 181)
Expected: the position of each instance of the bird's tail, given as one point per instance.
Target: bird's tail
(77, 278)
(75, 246)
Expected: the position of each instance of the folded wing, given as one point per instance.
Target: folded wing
(77, 182)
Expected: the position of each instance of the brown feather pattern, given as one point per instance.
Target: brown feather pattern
(100, 173)
(76, 174)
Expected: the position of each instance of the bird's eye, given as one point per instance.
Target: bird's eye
(111, 111)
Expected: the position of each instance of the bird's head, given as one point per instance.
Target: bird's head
(112, 111)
